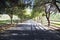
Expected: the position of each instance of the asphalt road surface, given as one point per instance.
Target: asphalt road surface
(29, 32)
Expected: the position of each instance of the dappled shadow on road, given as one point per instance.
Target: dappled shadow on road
(57, 31)
(5, 26)
(36, 33)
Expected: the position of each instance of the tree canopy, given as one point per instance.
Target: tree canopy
(37, 7)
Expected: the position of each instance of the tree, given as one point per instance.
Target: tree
(10, 11)
(47, 10)
(9, 6)
(51, 3)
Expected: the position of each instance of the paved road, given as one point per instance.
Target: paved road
(29, 32)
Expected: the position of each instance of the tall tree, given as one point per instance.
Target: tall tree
(50, 3)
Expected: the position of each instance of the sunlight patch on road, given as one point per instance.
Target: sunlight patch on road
(14, 34)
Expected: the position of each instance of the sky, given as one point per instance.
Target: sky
(29, 8)
(29, 1)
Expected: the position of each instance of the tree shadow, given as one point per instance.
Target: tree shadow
(33, 34)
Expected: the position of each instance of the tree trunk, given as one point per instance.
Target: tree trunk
(21, 21)
(11, 19)
(11, 16)
(48, 14)
(48, 21)
(48, 18)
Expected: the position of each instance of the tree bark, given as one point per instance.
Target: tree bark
(11, 16)
(48, 21)
(48, 18)
(47, 15)
(11, 19)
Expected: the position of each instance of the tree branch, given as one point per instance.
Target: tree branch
(58, 1)
(54, 3)
(42, 4)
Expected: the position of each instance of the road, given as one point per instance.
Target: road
(29, 32)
